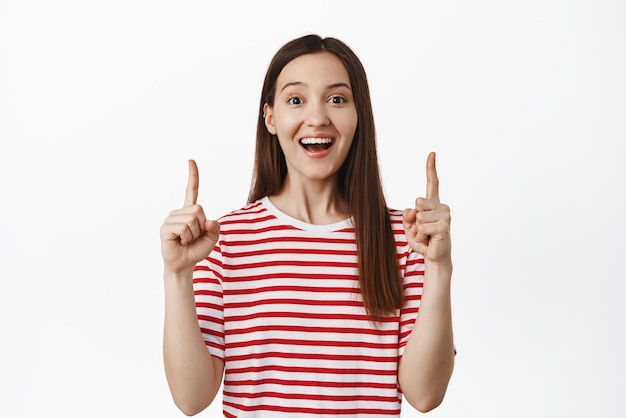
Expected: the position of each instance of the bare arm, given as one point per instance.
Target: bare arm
(194, 376)
(428, 359)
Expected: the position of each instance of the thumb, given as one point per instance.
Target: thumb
(206, 242)
(212, 230)
(414, 238)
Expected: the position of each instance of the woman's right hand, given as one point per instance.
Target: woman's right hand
(187, 237)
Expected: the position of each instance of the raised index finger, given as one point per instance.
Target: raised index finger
(191, 194)
(432, 181)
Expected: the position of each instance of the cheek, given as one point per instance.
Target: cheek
(349, 127)
(350, 122)
(285, 125)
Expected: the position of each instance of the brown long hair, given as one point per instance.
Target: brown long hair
(359, 178)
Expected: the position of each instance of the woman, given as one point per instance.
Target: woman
(305, 301)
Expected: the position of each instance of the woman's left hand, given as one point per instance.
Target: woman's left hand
(427, 226)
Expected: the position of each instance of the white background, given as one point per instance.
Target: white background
(102, 103)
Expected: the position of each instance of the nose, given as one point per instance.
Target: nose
(316, 115)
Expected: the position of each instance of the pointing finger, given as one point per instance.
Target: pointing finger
(432, 181)
(191, 194)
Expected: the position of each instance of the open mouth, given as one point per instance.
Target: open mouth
(316, 144)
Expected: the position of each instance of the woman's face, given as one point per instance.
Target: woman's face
(314, 116)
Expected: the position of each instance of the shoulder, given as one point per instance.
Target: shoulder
(395, 217)
(397, 228)
(395, 213)
(250, 211)
(411, 263)
(247, 210)
(253, 216)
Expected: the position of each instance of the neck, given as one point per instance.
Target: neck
(312, 202)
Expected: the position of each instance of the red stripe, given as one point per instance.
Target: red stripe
(271, 240)
(252, 208)
(414, 297)
(304, 315)
(413, 262)
(316, 370)
(416, 285)
(200, 267)
(314, 383)
(208, 279)
(307, 289)
(300, 328)
(402, 254)
(315, 343)
(277, 263)
(258, 230)
(311, 356)
(213, 319)
(203, 292)
(291, 301)
(408, 322)
(247, 220)
(408, 311)
(311, 276)
(315, 397)
(214, 345)
(212, 332)
(274, 251)
(405, 334)
(209, 306)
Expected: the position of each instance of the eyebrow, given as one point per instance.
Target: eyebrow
(332, 86)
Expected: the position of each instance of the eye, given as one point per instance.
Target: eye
(337, 100)
(294, 100)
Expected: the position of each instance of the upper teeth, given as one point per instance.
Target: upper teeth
(307, 141)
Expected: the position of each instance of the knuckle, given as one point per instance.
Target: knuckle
(181, 229)
(446, 213)
(185, 219)
(197, 210)
(185, 234)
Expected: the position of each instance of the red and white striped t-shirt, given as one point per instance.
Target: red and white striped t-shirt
(278, 299)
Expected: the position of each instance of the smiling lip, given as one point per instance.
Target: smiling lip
(317, 139)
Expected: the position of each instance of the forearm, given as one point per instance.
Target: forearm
(193, 375)
(426, 365)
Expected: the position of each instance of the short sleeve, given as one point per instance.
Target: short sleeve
(413, 276)
(209, 295)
